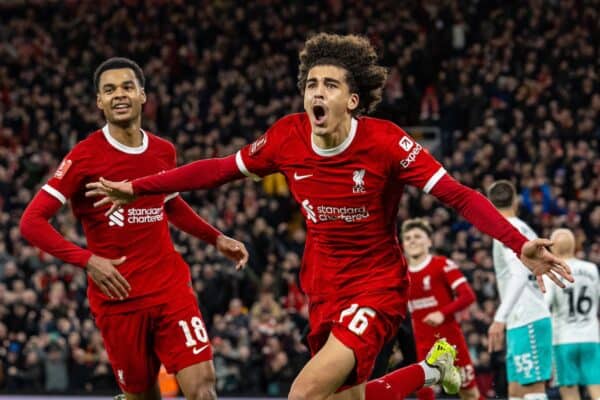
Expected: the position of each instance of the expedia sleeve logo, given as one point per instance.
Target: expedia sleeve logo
(406, 143)
(412, 156)
(258, 145)
(63, 168)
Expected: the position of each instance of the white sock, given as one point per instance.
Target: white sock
(515, 398)
(536, 396)
(432, 374)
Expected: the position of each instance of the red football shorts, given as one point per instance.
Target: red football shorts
(363, 323)
(463, 357)
(137, 342)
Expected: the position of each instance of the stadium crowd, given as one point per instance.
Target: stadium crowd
(513, 87)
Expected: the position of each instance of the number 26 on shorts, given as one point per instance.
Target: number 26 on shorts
(360, 321)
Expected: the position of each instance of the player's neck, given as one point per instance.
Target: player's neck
(334, 138)
(130, 136)
(414, 261)
(507, 212)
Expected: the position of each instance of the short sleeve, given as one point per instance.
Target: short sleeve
(260, 158)
(68, 177)
(411, 162)
(453, 274)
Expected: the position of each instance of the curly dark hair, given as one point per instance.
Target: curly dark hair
(353, 53)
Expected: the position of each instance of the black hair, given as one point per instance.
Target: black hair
(116, 63)
(502, 194)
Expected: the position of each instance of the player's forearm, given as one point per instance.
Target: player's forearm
(464, 297)
(37, 230)
(478, 210)
(202, 174)
(185, 218)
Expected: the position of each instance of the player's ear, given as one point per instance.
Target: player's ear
(353, 101)
(99, 101)
(143, 95)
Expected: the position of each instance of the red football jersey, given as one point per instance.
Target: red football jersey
(349, 195)
(139, 231)
(431, 287)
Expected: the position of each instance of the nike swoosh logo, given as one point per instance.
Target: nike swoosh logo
(200, 350)
(300, 177)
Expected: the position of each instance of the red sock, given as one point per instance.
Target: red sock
(425, 393)
(397, 384)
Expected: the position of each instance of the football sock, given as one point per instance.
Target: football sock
(425, 393)
(397, 384)
(432, 374)
(536, 396)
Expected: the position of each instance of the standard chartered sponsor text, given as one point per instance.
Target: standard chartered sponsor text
(347, 214)
(144, 215)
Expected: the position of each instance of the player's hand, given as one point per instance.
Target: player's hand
(496, 336)
(105, 275)
(536, 256)
(435, 318)
(115, 193)
(234, 250)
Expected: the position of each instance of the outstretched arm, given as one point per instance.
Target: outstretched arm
(477, 209)
(202, 174)
(185, 218)
(37, 230)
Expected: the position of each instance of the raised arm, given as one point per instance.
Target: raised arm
(478, 210)
(202, 174)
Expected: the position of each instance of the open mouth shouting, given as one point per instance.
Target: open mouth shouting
(320, 114)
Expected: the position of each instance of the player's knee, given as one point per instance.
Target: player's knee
(306, 391)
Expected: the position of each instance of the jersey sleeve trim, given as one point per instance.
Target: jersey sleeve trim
(458, 282)
(242, 167)
(171, 196)
(434, 179)
(54, 193)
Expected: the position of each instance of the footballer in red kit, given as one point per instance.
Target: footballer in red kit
(438, 290)
(347, 172)
(139, 287)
